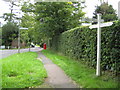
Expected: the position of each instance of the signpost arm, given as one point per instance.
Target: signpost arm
(98, 45)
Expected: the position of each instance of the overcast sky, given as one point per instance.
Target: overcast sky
(92, 3)
(4, 7)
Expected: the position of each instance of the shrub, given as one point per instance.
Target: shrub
(81, 43)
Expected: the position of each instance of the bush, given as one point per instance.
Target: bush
(81, 43)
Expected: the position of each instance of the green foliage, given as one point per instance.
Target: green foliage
(10, 17)
(53, 18)
(9, 33)
(22, 71)
(80, 43)
(27, 21)
(80, 72)
(107, 11)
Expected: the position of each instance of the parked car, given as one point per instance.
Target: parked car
(32, 45)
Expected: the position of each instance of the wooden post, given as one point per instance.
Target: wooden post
(98, 26)
(98, 46)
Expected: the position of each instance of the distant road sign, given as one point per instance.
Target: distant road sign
(23, 28)
(2, 47)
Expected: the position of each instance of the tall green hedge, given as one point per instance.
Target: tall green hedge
(81, 43)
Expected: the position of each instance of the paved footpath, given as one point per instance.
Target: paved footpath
(56, 76)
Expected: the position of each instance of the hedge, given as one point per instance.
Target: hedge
(81, 44)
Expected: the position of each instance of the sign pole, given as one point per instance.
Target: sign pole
(98, 26)
(19, 36)
(98, 45)
(19, 41)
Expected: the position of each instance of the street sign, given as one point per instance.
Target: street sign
(23, 28)
(101, 25)
(95, 20)
(91, 20)
(2, 47)
(98, 26)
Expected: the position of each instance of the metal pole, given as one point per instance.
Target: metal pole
(19, 41)
(29, 48)
(19, 36)
(98, 45)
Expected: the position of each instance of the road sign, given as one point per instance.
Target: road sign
(91, 20)
(101, 25)
(95, 20)
(23, 28)
(98, 26)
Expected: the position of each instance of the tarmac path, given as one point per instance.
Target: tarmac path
(56, 76)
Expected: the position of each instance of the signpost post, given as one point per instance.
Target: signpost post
(98, 26)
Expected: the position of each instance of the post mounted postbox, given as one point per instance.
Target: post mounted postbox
(44, 46)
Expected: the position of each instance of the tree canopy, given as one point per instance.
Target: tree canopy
(9, 33)
(53, 18)
(107, 11)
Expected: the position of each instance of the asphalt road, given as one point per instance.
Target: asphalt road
(6, 53)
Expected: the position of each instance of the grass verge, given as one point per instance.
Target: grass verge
(79, 72)
(22, 71)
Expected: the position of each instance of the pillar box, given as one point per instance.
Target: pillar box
(44, 46)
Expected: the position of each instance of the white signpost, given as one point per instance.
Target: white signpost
(23, 28)
(98, 26)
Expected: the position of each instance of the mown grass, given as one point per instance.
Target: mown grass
(79, 72)
(22, 71)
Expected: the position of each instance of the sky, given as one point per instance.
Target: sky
(92, 3)
(4, 7)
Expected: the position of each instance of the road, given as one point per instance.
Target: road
(6, 53)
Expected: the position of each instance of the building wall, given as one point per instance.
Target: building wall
(15, 44)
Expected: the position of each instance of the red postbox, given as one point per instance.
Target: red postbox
(44, 45)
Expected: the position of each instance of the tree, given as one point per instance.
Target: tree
(9, 33)
(107, 11)
(28, 22)
(57, 17)
(10, 16)
(53, 18)
(49, 19)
